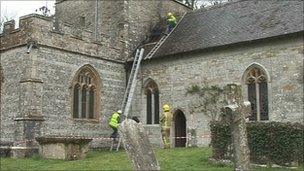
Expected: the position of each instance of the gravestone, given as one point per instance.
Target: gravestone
(237, 111)
(137, 145)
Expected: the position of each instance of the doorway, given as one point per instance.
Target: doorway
(180, 129)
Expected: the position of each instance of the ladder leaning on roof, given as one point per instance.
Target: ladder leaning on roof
(162, 40)
(132, 81)
(129, 92)
(127, 99)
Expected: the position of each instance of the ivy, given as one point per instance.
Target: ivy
(269, 143)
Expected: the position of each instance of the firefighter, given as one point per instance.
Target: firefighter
(165, 122)
(171, 21)
(114, 122)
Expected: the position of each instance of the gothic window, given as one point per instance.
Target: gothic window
(152, 96)
(256, 81)
(85, 94)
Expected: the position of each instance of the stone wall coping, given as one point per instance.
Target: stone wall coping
(37, 16)
(48, 21)
(37, 27)
(73, 140)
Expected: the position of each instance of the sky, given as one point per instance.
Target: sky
(15, 9)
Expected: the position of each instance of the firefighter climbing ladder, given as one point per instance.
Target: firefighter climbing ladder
(162, 40)
(127, 99)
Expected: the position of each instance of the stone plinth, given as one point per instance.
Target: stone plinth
(65, 148)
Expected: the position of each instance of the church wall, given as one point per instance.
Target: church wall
(48, 69)
(282, 59)
(57, 69)
(12, 63)
(74, 11)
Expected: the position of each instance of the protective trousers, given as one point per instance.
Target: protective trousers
(166, 137)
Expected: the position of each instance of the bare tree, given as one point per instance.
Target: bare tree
(6, 16)
(44, 10)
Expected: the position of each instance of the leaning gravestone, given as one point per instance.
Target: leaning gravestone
(237, 111)
(137, 145)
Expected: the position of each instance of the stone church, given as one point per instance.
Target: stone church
(63, 76)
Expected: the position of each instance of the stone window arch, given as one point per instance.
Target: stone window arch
(152, 102)
(85, 90)
(256, 79)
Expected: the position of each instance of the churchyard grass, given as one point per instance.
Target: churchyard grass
(170, 159)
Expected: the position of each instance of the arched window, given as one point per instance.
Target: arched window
(256, 80)
(152, 96)
(86, 93)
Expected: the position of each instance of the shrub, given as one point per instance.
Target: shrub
(271, 142)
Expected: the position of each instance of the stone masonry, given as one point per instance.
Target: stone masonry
(39, 61)
(282, 58)
(40, 80)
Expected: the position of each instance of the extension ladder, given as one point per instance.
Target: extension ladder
(155, 48)
(129, 92)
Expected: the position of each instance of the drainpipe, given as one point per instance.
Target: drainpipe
(96, 20)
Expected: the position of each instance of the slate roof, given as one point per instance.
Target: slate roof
(234, 22)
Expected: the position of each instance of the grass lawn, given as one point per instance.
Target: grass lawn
(172, 159)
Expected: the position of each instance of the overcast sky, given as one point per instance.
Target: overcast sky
(16, 9)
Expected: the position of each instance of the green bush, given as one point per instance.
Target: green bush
(271, 142)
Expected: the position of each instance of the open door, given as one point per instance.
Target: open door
(180, 129)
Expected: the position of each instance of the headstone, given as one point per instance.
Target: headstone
(137, 145)
(237, 111)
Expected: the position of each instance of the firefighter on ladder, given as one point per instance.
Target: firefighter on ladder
(165, 122)
(171, 20)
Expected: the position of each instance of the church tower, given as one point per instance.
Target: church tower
(127, 23)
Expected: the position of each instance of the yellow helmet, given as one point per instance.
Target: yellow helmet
(166, 107)
(169, 14)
